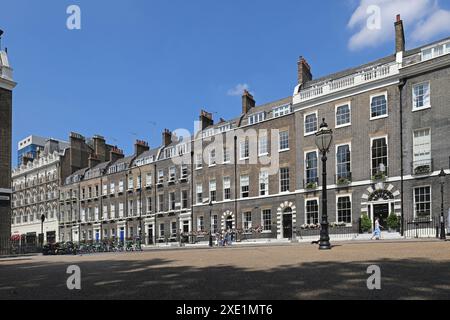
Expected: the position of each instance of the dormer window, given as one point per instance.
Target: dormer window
(281, 111)
(256, 118)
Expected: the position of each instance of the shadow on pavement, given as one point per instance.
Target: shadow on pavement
(158, 279)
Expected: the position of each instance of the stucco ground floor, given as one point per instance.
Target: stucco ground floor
(31, 231)
(281, 216)
(160, 228)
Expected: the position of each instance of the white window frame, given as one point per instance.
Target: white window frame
(256, 118)
(279, 141)
(243, 185)
(262, 220)
(244, 221)
(224, 188)
(304, 163)
(414, 109)
(198, 161)
(246, 145)
(348, 195)
(279, 180)
(371, 156)
(414, 200)
(318, 208)
(349, 144)
(266, 144)
(281, 111)
(226, 156)
(385, 94)
(337, 106)
(304, 123)
(266, 184)
(212, 160)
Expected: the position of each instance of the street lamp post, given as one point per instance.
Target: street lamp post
(324, 137)
(442, 176)
(210, 224)
(42, 230)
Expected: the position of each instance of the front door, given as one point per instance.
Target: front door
(229, 223)
(381, 211)
(287, 226)
(150, 235)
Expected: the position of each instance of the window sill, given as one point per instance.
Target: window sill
(421, 108)
(310, 133)
(243, 159)
(344, 125)
(284, 150)
(379, 117)
(263, 154)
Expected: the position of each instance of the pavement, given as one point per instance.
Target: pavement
(409, 270)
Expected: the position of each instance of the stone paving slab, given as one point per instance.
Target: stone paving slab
(409, 270)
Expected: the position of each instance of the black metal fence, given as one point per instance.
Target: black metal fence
(17, 247)
(335, 231)
(422, 228)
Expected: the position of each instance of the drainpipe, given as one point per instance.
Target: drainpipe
(235, 179)
(400, 88)
(155, 204)
(192, 191)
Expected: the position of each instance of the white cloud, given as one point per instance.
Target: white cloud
(373, 21)
(238, 90)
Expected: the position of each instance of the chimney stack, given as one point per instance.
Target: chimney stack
(303, 71)
(100, 147)
(140, 147)
(399, 35)
(206, 119)
(93, 160)
(166, 137)
(248, 102)
(116, 154)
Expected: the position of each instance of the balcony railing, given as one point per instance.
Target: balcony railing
(364, 76)
(421, 168)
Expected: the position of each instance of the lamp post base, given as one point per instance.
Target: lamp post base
(443, 235)
(324, 242)
(210, 241)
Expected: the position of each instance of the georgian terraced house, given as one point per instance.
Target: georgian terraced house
(261, 171)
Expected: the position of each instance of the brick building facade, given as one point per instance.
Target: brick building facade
(260, 173)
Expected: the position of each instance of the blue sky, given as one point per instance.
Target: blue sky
(137, 67)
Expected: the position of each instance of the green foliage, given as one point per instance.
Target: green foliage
(393, 221)
(366, 224)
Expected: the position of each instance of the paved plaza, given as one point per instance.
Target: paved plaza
(409, 270)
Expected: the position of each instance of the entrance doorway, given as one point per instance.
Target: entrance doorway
(229, 223)
(381, 211)
(287, 224)
(150, 235)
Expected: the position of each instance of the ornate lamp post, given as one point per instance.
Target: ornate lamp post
(210, 224)
(442, 176)
(324, 137)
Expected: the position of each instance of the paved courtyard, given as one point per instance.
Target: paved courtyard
(410, 270)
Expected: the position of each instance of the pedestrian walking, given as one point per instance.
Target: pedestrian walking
(377, 230)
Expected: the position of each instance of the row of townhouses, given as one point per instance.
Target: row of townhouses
(261, 171)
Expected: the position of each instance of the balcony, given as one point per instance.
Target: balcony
(311, 184)
(343, 179)
(422, 167)
(361, 77)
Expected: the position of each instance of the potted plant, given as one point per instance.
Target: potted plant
(311, 185)
(343, 181)
(366, 224)
(379, 176)
(393, 222)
